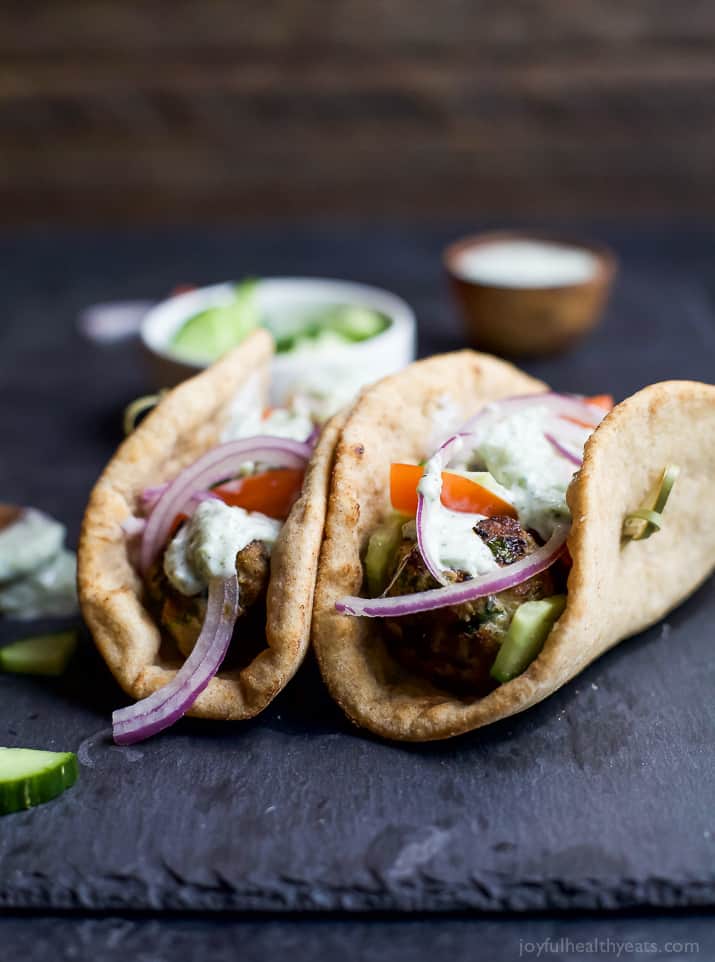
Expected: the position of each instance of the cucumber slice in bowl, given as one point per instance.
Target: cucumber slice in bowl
(30, 777)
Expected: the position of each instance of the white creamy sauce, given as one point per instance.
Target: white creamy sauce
(450, 536)
(279, 423)
(37, 574)
(207, 545)
(248, 422)
(459, 547)
(47, 592)
(516, 452)
(526, 264)
(523, 468)
(247, 405)
(323, 390)
(446, 419)
(29, 542)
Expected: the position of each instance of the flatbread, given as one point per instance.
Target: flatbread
(615, 588)
(188, 422)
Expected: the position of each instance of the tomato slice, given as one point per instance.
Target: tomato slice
(176, 524)
(271, 492)
(603, 401)
(458, 493)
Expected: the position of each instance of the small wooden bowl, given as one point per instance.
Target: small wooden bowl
(528, 321)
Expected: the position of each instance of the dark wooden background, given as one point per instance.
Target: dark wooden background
(170, 111)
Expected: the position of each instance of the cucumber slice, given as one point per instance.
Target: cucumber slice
(30, 777)
(41, 655)
(486, 480)
(380, 549)
(527, 633)
(354, 323)
(209, 334)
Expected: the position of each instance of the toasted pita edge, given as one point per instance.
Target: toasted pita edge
(615, 589)
(187, 422)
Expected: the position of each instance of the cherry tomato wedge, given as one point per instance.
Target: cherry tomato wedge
(458, 493)
(271, 492)
(603, 401)
(176, 524)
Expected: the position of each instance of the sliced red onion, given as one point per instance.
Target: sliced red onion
(200, 496)
(216, 465)
(560, 405)
(562, 450)
(149, 497)
(426, 508)
(460, 592)
(569, 433)
(168, 704)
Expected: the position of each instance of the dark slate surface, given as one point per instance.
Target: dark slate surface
(222, 939)
(600, 798)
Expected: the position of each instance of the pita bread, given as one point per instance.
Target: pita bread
(615, 588)
(187, 422)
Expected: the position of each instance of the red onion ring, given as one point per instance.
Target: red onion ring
(216, 465)
(149, 497)
(463, 591)
(425, 508)
(569, 405)
(563, 451)
(169, 703)
(555, 404)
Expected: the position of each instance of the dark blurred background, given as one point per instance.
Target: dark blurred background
(167, 111)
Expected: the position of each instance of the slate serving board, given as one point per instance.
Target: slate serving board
(599, 798)
(223, 938)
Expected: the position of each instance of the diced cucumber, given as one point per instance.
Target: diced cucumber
(40, 655)
(380, 549)
(211, 333)
(355, 323)
(30, 777)
(527, 633)
(486, 480)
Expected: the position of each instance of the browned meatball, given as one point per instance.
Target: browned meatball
(456, 646)
(505, 538)
(253, 566)
(182, 616)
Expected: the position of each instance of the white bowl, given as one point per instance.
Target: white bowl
(361, 362)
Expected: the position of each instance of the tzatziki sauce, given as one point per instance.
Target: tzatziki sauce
(47, 592)
(450, 535)
(206, 546)
(37, 573)
(289, 422)
(516, 452)
(29, 542)
(524, 263)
